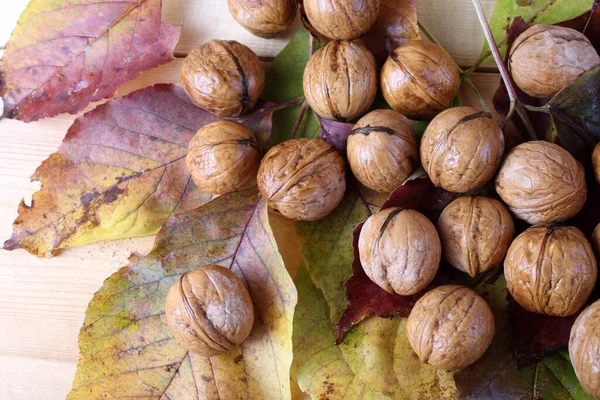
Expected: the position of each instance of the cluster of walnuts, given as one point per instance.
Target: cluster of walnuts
(549, 268)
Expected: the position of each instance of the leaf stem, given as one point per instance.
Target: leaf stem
(515, 105)
(299, 119)
(467, 80)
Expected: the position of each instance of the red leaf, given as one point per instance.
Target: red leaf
(335, 133)
(62, 56)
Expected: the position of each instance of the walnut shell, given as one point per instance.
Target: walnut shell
(544, 59)
(263, 18)
(475, 233)
(304, 179)
(584, 343)
(382, 150)
(450, 327)
(461, 149)
(551, 270)
(596, 238)
(222, 157)
(419, 79)
(223, 77)
(399, 250)
(541, 182)
(596, 162)
(340, 80)
(341, 19)
(209, 310)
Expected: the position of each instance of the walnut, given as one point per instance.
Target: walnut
(382, 150)
(583, 349)
(341, 19)
(223, 77)
(209, 310)
(263, 18)
(551, 270)
(461, 149)
(541, 182)
(304, 179)
(596, 238)
(399, 250)
(596, 162)
(340, 80)
(544, 59)
(419, 79)
(475, 233)
(450, 327)
(222, 157)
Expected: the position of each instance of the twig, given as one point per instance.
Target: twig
(467, 80)
(299, 119)
(515, 105)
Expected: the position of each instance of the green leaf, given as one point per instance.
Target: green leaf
(533, 12)
(126, 348)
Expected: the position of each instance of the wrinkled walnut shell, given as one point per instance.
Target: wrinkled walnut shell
(263, 18)
(551, 270)
(304, 179)
(545, 59)
(461, 149)
(596, 162)
(340, 80)
(382, 150)
(209, 310)
(223, 77)
(475, 233)
(541, 182)
(583, 349)
(419, 79)
(450, 327)
(341, 19)
(399, 250)
(222, 157)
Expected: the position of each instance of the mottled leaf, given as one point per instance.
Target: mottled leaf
(126, 348)
(63, 55)
(120, 172)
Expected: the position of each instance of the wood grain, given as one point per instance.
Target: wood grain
(43, 301)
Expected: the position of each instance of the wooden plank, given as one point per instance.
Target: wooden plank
(454, 23)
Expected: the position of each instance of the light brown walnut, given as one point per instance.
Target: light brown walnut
(461, 149)
(545, 59)
(341, 19)
(541, 183)
(551, 270)
(419, 79)
(475, 233)
(223, 157)
(450, 327)
(209, 311)
(340, 80)
(223, 77)
(399, 250)
(263, 18)
(382, 150)
(303, 179)
(583, 349)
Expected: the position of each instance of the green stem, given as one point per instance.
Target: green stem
(468, 81)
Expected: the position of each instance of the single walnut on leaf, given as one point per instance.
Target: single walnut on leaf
(263, 18)
(340, 80)
(551, 270)
(419, 79)
(475, 233)
(399, 250)
(541, 182)
(583, 349)
(223, 77)
(222, 157)
(450, 327)
(341, 19)
(461, 149)
(382, 150)
(209, 311)
(545, 59)
(304, 179)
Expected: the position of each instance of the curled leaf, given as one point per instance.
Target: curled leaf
(64, 55)
(335, 133)
(128, 351)
(120, 172)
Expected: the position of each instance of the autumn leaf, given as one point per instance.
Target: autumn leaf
(64, 55)
(120, 172)
(126, 349)
(335, 133)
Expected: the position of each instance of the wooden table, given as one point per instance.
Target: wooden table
(43, 301)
